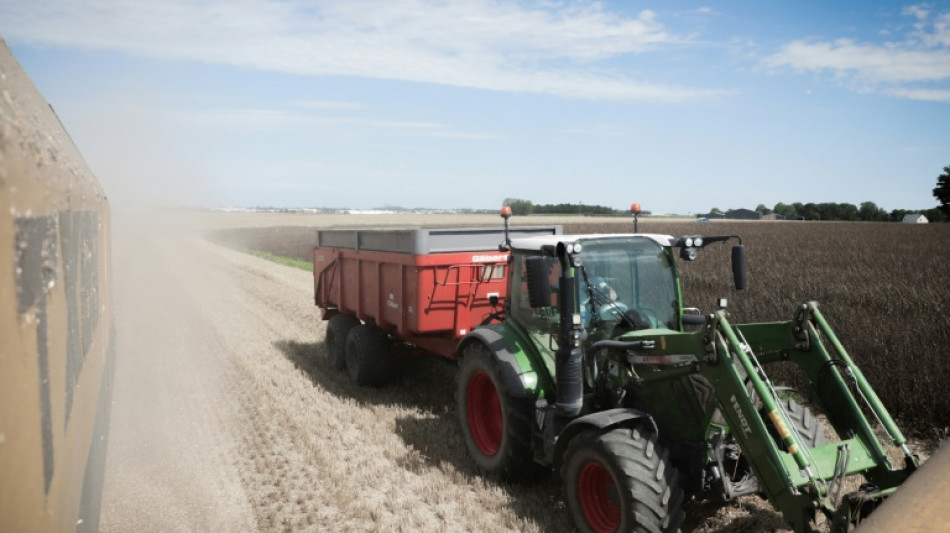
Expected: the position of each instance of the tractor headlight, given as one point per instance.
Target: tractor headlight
(698, 241)
(688, 254)
(689, 242)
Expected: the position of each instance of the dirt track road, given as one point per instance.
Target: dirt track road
(226, 418)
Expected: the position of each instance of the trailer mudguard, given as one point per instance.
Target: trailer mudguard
(520, 378)
(601, 420)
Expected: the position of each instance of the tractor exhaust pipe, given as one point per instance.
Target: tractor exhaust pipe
(570, 384)
(568, 356)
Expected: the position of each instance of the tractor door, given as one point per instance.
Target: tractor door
(535, 313)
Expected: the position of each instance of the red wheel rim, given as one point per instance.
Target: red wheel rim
(598, 498)
(484, 413)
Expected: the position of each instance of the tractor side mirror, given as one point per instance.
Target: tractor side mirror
(738, 266)
(539, 281)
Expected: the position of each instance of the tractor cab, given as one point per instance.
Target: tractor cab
(623, 282)
(627, 283)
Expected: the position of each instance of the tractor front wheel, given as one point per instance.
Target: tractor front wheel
(621, 480)
(810, 429)
(496, 427)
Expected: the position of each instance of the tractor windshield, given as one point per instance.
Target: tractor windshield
(627, 280)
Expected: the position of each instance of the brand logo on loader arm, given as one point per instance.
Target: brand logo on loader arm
(746, 428)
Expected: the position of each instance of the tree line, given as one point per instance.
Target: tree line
(867, 211)
(520, 207)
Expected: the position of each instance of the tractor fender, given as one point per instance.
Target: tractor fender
(601, 420)
(519, 381)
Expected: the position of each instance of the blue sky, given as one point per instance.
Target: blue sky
(679, 106)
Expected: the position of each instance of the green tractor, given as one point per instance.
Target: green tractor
(595, 369)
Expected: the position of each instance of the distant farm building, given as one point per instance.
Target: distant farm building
(734, 214)
(746, 214)
(914, 218)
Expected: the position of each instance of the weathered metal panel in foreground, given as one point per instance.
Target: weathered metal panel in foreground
(920, 504)
(56, 328)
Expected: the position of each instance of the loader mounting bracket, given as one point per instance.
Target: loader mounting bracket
(800, 328)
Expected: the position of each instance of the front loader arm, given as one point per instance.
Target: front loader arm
(795, 478)
(728, 371)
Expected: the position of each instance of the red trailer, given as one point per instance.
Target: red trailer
(426, 286)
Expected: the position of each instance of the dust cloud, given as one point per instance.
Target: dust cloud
(128, 149)
(226, 416)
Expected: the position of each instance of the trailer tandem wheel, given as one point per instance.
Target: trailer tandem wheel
(368, 359)
(338, 328)
(495, 425)
(621, 480)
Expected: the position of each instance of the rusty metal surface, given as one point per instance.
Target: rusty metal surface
(56, 341)
(921, 504)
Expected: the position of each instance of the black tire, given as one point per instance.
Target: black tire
(809, 428)
(338, 328)
(368, 359)
(810, 432)
(496, 427)
(621, 480)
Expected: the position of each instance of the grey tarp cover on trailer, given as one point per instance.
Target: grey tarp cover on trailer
(422, 241)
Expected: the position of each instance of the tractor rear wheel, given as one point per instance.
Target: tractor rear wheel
(368, 359)
(496, 427)
(621, 480)
(338, 328)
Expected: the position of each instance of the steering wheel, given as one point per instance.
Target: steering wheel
(639, 319)
(611, 311)
(649, 316)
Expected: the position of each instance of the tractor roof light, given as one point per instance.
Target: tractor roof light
(695, 241)
(574, 250)
(635, 209)
(688, 253)
(506, 214)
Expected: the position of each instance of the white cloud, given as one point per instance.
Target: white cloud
(941, 33)
(919, 11)
(917, 67)
(868, 62)
(548, 48)
(932, 95)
